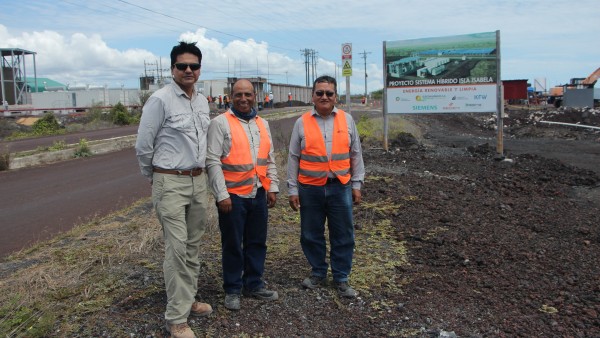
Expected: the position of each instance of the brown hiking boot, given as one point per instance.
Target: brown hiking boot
(181, 330)
(201, 309)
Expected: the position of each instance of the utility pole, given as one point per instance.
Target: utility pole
(364, 56)
(305, 53)
(309, 64)
(314, 64)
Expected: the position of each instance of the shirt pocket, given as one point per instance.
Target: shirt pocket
(180, 121)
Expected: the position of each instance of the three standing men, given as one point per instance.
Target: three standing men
(325, 174)
(171, 151)
(243, 178)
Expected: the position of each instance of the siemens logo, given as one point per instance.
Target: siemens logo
(425, 108)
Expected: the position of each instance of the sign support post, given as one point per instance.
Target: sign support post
(347, 71)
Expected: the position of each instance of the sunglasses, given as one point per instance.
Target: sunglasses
(184, 66)
(320, 93)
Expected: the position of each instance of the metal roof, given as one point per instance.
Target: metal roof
(13, 51)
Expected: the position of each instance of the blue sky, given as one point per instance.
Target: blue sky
(107, 42)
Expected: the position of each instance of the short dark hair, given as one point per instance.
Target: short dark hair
(325, 79)
(185, 47)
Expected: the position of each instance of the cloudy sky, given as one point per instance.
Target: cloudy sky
(113, 42)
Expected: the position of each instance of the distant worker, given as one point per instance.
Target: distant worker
(271, 99)
(226, 101)
(290, 99)
(220, 102)
(364, 99)
(267, 100)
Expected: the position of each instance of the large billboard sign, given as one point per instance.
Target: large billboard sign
(453, 74)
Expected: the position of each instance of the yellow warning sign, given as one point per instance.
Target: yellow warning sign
(347, 68)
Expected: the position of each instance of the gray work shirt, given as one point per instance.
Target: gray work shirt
(219, 146)
(298, 142)
(172, 131)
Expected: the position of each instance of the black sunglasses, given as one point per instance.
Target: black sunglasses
(184, 66)
(320, 93)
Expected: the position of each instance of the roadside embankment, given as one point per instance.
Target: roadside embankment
(23, 160)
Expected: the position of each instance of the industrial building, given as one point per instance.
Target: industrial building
(23, 93)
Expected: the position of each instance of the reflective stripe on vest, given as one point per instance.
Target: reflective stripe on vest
(238, 168)
(314, 163)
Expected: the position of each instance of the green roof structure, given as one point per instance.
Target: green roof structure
(44, 84)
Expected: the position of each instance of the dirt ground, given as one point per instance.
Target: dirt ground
(452, 241)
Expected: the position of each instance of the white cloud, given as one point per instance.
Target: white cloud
(108, 41)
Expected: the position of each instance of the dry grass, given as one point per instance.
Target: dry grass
(62, 286)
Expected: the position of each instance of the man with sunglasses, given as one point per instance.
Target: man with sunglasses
(243, 178)
(171, 151)
(325, 174)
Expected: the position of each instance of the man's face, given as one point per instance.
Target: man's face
(186, 78)
(243, 96)
(324, 103)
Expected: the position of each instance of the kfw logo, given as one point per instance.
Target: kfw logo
(480, 97)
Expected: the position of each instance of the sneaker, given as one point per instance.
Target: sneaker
(232, 301)
(313, 282)
(262, 294)
(345, 290)
(181, 330)
(201, 309)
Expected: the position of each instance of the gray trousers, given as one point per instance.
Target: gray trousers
(181, 204)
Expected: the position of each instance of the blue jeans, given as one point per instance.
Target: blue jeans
(243, 242)
(333, 202)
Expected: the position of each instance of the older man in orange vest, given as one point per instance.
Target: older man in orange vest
(243, 178)
(325, 174)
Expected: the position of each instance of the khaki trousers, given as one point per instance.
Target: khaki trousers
(181, 205)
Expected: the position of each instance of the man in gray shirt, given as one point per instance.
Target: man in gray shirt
(171, 151)
(325, 174)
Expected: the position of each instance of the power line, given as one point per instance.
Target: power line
(194, 24)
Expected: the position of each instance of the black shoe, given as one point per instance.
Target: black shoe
(261, 293)
(232, 301)
(313, 282)
(345, 290)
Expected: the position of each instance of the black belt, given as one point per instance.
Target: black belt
(192, 172)
(333, 180)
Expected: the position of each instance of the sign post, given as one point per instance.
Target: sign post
(347, 70)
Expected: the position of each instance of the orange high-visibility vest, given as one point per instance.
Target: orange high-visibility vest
(238, 168)
(314, 163)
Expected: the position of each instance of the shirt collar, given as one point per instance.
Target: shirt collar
(180, 91)
(333, 112)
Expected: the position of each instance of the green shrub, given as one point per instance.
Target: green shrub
(83, 149)
(119, 115)
(47, 125)
(4, 160)
(58, 145)
(95, 113)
